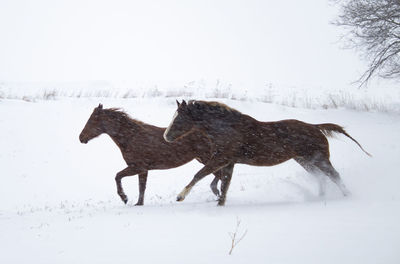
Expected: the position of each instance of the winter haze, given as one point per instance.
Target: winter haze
(153, 41)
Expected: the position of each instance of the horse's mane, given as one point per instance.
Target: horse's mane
(119, 114)
(214, 108)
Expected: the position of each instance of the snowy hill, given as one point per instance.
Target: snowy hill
(58, 200)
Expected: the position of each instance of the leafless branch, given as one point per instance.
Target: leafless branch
(373, 28)
(234, 236)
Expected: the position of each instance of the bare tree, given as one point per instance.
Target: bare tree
(373, 28)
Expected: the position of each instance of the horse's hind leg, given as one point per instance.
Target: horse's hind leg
(322, 185)
(327, 168)
(313, 170)
(319, 165)
(129, 171)
(225, 182)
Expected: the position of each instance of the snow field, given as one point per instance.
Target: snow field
(58, 200)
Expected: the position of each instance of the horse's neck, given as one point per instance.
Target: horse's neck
(221, 128)
(122, 130)
(218, 124)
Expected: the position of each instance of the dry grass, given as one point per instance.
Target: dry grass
(359, 100)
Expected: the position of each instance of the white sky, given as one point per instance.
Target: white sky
(247, 41)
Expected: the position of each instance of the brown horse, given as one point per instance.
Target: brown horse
(239, 138)
(143, 147)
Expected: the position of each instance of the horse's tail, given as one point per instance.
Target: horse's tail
(329, 129)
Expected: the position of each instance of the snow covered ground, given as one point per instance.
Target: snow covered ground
(58, 200)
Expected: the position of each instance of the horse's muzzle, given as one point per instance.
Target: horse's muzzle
(168, 137)
(83, 139)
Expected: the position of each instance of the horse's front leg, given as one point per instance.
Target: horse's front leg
(225, 182)
(212, 166)
(129, 171)
(142, 187)
(214, 183)
(225, 175)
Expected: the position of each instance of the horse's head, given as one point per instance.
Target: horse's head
(94, 126)
(181, 124)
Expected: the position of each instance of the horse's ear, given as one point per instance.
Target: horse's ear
(178, 103)
(100, 106)
(183, 103)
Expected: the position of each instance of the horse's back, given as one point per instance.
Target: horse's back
(271, 143)
(302, 138)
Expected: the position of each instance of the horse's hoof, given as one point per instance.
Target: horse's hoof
(139, 204)
(124, 199)
(221, 201)
(180, 198)
(216, 192)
